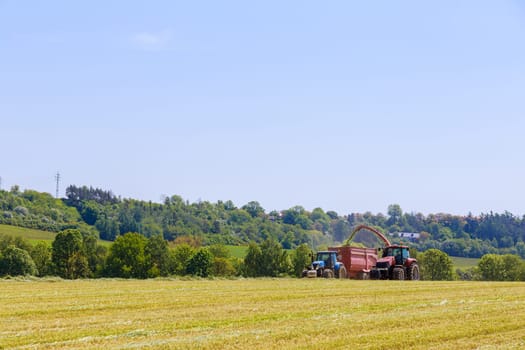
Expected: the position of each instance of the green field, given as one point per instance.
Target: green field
(464, 263)
(30, 234)
(261, 314)
(238, 251)
(35, 236)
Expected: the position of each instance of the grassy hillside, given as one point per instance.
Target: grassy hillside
(261, 314)
(464, 263)
(237, 251)
(34, 236)
(27, 233)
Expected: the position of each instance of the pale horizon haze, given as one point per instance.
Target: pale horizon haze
(345, 105)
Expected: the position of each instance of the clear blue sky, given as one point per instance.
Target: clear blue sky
(344, 105)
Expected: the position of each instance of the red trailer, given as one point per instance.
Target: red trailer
(358, 261)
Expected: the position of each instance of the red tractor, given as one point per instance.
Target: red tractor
(396, 264)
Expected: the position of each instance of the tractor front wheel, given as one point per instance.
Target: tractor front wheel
(398, 274)
(328, 274)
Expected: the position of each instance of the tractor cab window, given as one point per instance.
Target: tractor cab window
(400, 254)
(324, 257)
(392, 252)
(328, 258)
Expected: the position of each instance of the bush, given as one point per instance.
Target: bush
(16, 262)
(435, 265)
(200, 263)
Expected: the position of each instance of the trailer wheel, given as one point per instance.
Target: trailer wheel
(398, 274)
(342, 272)
(361, 275)
(413, 272)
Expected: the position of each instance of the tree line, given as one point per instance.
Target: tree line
(73, 255)
(93, 211)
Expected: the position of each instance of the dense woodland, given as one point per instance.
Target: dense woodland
(101, 213)
(181, 238)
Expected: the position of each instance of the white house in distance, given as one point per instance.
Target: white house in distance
(411, 236)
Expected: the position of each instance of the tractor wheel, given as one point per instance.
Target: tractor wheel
(328, 274)
(398, 274)
(342, 272)
(413, 272)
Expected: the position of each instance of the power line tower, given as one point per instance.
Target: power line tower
(57, 178)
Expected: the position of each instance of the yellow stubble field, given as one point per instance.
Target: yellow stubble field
(260, 314)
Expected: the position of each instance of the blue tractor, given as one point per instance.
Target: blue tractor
(326, 265)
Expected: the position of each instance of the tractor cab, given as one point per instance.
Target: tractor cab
(396, 264)
(325, 260)
(399, 253)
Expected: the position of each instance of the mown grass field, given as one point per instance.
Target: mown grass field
(261, 314)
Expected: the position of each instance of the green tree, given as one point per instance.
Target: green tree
(19, 242)
(223, 267)
(301, 258)
(150, 228)
(223, 264)
(89, 211)
(395, 213)
(95, 253)
(513, 268)
(109, 228)
(41, 255)
(69, 255)
(252, 261)
(254, 209)
(219, 251)
(520, 248)
(269, 259)
(490, 267)
(200, 263)
(321, 220)
(181, 256)
(79, 265)
(436, 265)
(15, 262)
(508, 267)
(157, 256)
(127, 257)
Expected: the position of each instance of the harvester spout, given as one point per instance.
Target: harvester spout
(371, 229)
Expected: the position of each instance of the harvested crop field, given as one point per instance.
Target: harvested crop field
(261, 314)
